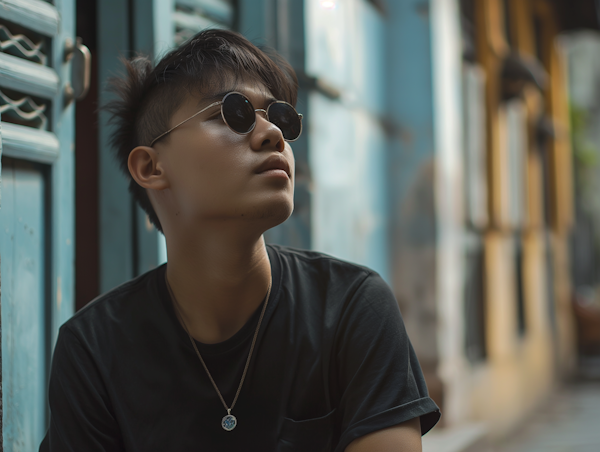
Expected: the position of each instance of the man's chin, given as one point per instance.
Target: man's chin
(258, 218)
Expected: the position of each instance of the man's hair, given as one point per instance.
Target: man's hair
(147, 96)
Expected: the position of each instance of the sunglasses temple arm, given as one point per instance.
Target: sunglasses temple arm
(184, 121)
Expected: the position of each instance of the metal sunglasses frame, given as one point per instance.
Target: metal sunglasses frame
(221, 102)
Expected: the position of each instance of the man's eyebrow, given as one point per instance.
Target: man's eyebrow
(209, 99)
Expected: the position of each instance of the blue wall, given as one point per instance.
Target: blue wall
(412, 163)
(347, 139)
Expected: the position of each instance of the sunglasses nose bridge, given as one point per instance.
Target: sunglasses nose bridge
(262, 110)
(265, 113)
(266, 117)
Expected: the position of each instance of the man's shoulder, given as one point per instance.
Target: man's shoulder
(324, 262)
(322, 273)
(117, 304)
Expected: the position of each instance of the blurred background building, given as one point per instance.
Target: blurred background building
(440, 149)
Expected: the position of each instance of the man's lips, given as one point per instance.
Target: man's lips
(274, 162)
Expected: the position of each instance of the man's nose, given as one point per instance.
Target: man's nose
(266, 134)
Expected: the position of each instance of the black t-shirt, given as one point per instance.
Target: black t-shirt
(332, 362)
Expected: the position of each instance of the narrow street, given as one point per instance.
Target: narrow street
(569, 421)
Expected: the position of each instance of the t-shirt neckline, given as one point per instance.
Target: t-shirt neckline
(245, 333)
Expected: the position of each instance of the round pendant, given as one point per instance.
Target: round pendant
(229, 422)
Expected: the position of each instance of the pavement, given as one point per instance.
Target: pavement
(568, 421)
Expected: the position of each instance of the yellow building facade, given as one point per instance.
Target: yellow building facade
(526, 338)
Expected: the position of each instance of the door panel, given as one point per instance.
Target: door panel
(33, 14)
(36, 210)
(27, 144)
(23, 270)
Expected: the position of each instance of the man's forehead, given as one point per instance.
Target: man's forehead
(251, 89)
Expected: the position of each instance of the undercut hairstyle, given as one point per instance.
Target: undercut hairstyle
(147, 95)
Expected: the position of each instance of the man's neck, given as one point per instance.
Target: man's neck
(218, 281)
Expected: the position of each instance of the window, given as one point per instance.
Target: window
(474, 301)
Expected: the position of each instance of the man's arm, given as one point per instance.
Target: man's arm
(404, 437)
(379, 384)
(80, 418)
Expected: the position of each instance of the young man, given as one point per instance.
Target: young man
(232, 345)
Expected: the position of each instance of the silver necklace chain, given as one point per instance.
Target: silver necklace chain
(229, 422)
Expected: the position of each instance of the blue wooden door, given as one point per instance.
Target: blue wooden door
(36, 206)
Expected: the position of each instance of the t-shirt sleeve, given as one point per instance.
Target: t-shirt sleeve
(80, 413)
(379, 378)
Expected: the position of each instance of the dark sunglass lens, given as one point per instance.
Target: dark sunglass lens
(238, 113)
(286, 118)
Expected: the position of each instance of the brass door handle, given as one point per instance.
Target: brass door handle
(81, 67)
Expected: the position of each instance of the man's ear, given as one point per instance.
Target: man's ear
(146, 169)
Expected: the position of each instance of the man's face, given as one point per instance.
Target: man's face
(216, 174)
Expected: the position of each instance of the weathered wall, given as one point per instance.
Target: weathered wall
(449, 194)
(411, 172)
(345, 52)
(524, 358)
(529, 341)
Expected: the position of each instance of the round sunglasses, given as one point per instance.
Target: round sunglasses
(240, 116)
